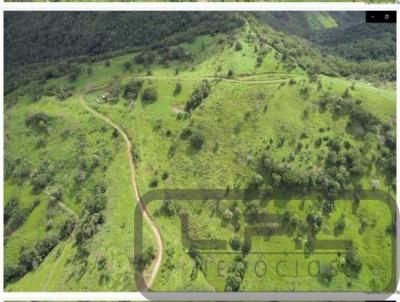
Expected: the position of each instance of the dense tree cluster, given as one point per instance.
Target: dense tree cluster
(342, 164)
(15, 216)
(107, 34)
(386, 162)
(352, 48)
(93, 215)
(359, 42)
(361, 123)
(60, 92)
(30, 258)
(38, 121)
(18, 169)
(163, 55)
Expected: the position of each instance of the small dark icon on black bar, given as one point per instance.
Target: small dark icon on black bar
(381, 16)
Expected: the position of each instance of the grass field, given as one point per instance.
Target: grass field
(259, 106)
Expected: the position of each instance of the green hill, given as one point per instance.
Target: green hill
(246, 107)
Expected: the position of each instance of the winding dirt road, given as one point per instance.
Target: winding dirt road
(159, 251)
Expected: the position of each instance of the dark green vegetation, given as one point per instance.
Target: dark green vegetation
(31, 40)
(253, 105)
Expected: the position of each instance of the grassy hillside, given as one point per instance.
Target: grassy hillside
(240, 109)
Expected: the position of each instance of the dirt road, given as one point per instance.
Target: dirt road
(159, 251)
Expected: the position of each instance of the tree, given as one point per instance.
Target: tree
(235, 243)
(246, 247)
(197, 141)
(255, 181)
(294, 221)
(12, 273)
(44, 246)
(149, 95)
(149, 255)
(165, 175)
(132, 89)
(29, 259)
(353, 263)
(326, 273)
(153, 182)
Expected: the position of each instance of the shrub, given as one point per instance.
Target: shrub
(80, 177)
(238, 46)
(72, 77)
(153, 182)
(178, 89)
(186, 133)
(56, 195)
(227, 215)
(246, 247)
(165, 175)
(168, 208)
(39, 182)
(145, 258)
(127, 66)
(340, 225)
